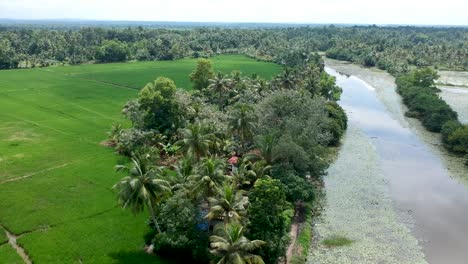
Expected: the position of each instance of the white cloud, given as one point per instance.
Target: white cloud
(448, 12)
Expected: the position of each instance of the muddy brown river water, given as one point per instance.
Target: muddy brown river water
(434, 205)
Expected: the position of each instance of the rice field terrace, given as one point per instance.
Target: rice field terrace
(56, 178)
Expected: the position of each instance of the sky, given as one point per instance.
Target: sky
(417, 12)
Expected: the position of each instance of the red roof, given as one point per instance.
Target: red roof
(233, 160)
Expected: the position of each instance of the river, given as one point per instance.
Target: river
(402, 203)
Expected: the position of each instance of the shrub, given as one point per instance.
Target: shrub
(458, 140)
(448, 128)
(266, 215)
(338, 122)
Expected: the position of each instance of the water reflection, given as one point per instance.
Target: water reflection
(419, 182)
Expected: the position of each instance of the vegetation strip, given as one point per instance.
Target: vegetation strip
(246, 141)
(420, 95)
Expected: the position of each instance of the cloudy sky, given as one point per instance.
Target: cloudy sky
(421, 12)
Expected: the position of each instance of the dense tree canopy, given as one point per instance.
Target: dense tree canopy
(390, 48)
(238, 152)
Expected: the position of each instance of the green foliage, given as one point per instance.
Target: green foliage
(180, 239)
(448, 129)
(143, 187)
(8, 59)
(292, 127)
(112, 51)
(233, 248)
(202, 74)
(268, 204)
(162, 111)
(196, 140)
(298, 125)
(337, 241)
(458, 140)
(242, 121)
(390, 48)
(297, 188)
(420, 95)
(228, 203)
(338, 122)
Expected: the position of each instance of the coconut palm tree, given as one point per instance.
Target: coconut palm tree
(242, 122)
(265, 144)
(141, 188)
(184, 168)
(257, 170)
(195, 140)
(288, 79)
(234, 248)
(209, 174)
(228, 204)
(219, 85)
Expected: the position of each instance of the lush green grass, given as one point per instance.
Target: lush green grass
(51, 124)
(3, 237)
(9, 256)
(137, 74)
(337, 241)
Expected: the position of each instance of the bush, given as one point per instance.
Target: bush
(448, 128)
(420, 95)
(181, 238)
(338, 122)
(267, 221)
(296, 188)
(112, 51)
(458, 140)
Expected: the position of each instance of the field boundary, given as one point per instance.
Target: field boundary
(34, 173)
(19, 249)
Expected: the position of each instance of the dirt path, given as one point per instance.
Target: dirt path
(293, 234)
(34, 173)
(21, 252)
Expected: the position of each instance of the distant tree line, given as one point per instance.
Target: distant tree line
(394, 49)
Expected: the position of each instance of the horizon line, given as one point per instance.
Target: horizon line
(226, 22)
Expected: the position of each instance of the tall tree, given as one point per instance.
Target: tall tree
(242, 123)
(234, 248)
(201, 75)
(266, 215)
(196, 140)
(208, 176)
(219, 86)
(228, 203)
(162, 111)
(141, 188)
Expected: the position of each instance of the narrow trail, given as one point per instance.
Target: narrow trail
(93, 80)
(54, 129)
(34, 173)
(12, 241)
(293, 234)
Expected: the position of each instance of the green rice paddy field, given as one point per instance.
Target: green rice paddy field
(56, 178)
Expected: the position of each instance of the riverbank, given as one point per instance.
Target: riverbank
(423, 196)
(385, 88)
(358, 207)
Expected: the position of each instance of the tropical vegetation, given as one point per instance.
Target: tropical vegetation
(227, 161)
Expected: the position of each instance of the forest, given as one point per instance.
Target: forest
(395, 49)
